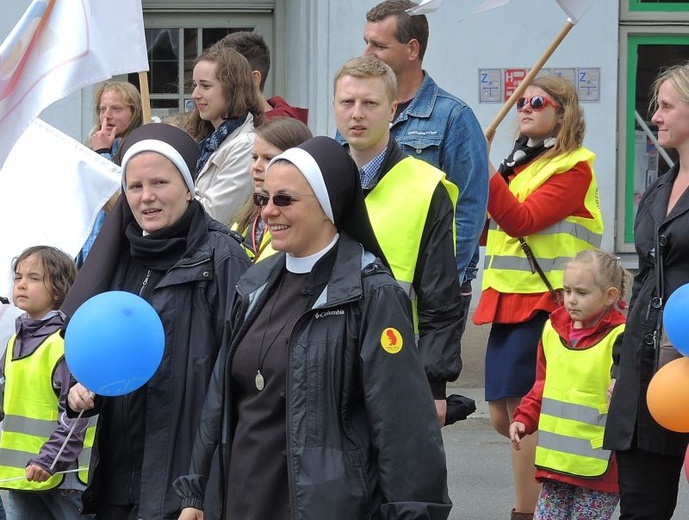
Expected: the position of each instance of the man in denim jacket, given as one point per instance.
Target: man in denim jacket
(433, 125)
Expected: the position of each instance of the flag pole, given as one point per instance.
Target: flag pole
(490, 131)
(145, 97)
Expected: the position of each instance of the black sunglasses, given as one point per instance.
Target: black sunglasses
(280, 200)
(535, 102)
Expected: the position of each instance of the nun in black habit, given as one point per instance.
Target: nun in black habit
(159, 243)
(318, 406)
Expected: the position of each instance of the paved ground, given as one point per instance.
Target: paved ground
(480, 472)
(478, 459)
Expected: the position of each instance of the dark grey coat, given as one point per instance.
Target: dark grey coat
(363, 440)
(193, 300)
(628, 415)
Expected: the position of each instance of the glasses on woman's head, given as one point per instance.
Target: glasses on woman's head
(280, 200)
(536, 103)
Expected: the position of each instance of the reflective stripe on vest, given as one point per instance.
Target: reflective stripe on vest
(506, 268)
(398, 209)
(574, 408)
(31, 413)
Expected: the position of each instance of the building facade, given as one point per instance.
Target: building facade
(612, 54)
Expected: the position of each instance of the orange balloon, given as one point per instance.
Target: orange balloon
(668, 396)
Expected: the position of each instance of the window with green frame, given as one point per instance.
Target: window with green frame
(648, 54)
(658, 5)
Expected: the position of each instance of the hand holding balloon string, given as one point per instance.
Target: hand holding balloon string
(113, 345)
(80, 399)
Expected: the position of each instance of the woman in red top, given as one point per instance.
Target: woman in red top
(551, 132)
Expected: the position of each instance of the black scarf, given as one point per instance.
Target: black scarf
(162, 249)
(522, 153)
(211, 143)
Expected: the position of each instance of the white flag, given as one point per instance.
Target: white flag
(59, 47)
(575, 9)
(425, 7)
(51, 189)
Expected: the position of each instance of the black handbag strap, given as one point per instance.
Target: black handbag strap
(536, 268)
(533, 263)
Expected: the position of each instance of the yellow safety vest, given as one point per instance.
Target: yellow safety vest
(506, 268)
(265, 248)
(398, 209)
(574, 407)
(31, 415)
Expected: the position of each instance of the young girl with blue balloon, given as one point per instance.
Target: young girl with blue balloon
(37, 382)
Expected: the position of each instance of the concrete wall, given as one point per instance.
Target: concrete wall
(512, 36)
(322, 34)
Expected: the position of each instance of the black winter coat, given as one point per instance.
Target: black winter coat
(436, 284)
(193, 300)
(363, 440)
(628, 415)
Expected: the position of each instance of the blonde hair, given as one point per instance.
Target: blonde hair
(678, 76)
(369, 67)
(571, 127)
(130, 97)
(607, 270)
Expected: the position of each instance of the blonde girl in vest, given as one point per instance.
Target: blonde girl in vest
(568, 402)
(545, 192)
(37, 383)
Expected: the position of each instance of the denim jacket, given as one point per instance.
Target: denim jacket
(442, 130)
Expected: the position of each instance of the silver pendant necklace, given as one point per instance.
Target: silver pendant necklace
(260, 380)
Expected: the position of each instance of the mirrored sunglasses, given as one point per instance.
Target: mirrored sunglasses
(536, 103)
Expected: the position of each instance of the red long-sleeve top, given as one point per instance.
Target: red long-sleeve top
(559, 197)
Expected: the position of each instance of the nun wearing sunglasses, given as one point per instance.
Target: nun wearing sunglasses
(319, 406)
(544, 208)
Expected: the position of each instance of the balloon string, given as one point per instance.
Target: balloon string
(56, 473)
(64, 444)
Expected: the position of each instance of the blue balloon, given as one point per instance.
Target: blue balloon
(676, 319)
(114, 343)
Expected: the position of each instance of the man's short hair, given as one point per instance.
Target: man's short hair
(253, 47)
(369, 67)
(408, 26)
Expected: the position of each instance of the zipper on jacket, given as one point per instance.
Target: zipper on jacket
(291, 485)
(144, 283)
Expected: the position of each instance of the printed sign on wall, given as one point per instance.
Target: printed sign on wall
(513, 77)
(589, 84)
(490, 86)
(497, 85)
